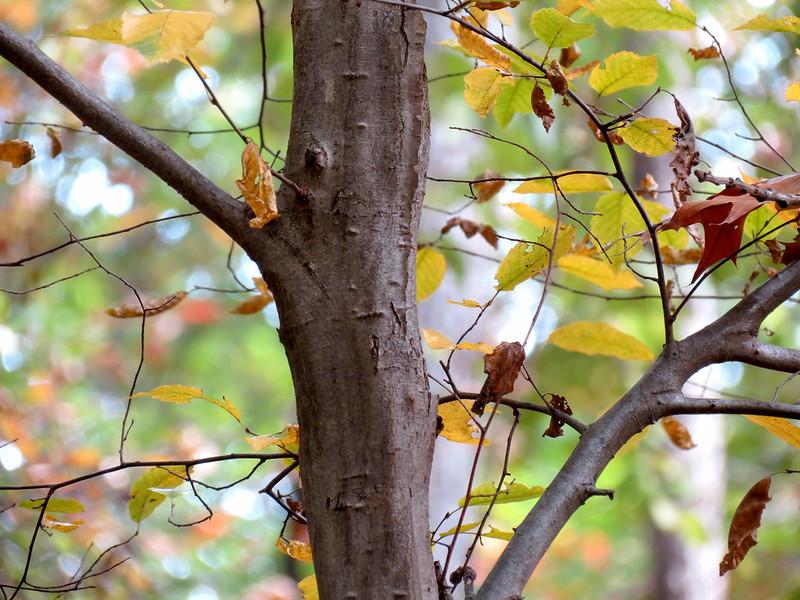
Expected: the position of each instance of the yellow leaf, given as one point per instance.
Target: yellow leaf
(645, 15)
(56, 524)
(16, 152)
(466, 303)
(652, 137)
(256, 186)
(576, 183)
(308, 588)
(793, 91)
(599, 338)
(252, 305)
(144, 494)
(176, 394)
(475, 346)
(436, 340)
(431, 267)
(151, 307)
(183, 394)
(477, 46)
(788, 24)
(295, 549)
(481, 88)
(161, 35)
(526, 260)
(678, 433)
(288, 439)
(623, 70)
(557, 30)
(510, 492)
(531, 215)
(464, 527)
(780, 428)
(598, 272)
(66, 506)
(498, 534)
(568, 7)
(457, 423)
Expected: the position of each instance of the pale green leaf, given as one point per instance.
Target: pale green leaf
(652, 137)
(645, 15)
(787, 24)
(144, 497)
(599, 338)
(557, 30)
(526, 260)
(498, 534)
(464, 527)
(513, 98)
(513, 492)
(66, 506)
(623, 70)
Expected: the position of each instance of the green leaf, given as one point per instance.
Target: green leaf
(762, 220)
(498, 534)
(575, 183)
(652, 137)
(788, 24)
(623, 70)
(645, 15)
(66, 506)
(615, 214)
(464, 527)
(513, 492)
(599, 338)
(145, 496)
(431, 267)
(513, 98)
(557, 30)
(526, 260)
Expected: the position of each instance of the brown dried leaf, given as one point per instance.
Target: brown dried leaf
(744, 526)
(704, 53)
(471, 228)
(648, 186)
(568, 56)
(502, 367)
(55, 143)
(678, 433)
(686, 156)
(495, 4)
(775, 250)
(486, 190)
(614, 137)
(256, 186)
(791, 252)
(555, 429)
(151, 307)
(558, 80)
(541, 108)
(17, 152)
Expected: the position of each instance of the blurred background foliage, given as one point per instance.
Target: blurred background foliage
(65, 367)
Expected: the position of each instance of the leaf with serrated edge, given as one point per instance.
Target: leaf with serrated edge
(645, 15)
(482, 87)
(591, 338)
(556, 30)
(652, 137)
(598, 272)
(623, 70)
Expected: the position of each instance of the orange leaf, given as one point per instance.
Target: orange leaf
(486, 190)
(17, 152)
(678, 433)
(55, 143)
(710, 52)
(251, 305)
(745, 524)
(256, 186)
(151, 307)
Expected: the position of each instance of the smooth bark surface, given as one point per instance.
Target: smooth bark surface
(342, 266)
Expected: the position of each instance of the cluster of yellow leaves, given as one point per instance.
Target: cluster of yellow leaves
(161, 35)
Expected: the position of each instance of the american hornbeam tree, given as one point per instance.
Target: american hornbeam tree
(338, 248)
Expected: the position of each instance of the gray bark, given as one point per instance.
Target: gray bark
(342, 270)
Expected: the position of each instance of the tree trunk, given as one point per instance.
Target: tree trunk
(341, 263)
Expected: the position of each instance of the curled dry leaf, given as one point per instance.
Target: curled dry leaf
(614, 137)
(486, 190)
(151, 307)
(541, 108)
(55, 143)
(502, 367)
(16, 152)
(256, 186)
(744, 526)
(568, 56)
(471, 228)
(704, 53)
(685, 154)
(555, 429)
(558, 80)
(255, 303)
(678, 433)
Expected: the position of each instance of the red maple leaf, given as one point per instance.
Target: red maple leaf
(722, 217)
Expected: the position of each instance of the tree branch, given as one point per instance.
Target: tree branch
(153, 154)
(718, 406)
